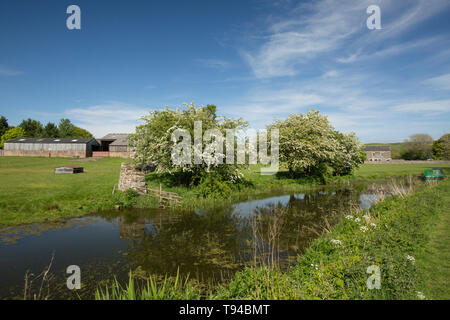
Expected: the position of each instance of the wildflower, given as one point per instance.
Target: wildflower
(338, 242)
(363, 229)
(366, 217)
(420, 295)
(411, 258)
(349, 217)
(357, 220)
(373, 225)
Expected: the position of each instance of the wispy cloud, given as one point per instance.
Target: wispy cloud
(4, 71)
(106, 118)
(319, 29)
(440, 82)
(214, 63)
(433, 106)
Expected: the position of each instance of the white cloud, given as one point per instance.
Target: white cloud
(103, 119)
(434, 106)
(321, 28)
(214, 63)
(4, 71)
(440, 82)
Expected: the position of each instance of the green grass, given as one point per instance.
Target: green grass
(383, 171)
(31, 192)
(415, 226)
(434, 261)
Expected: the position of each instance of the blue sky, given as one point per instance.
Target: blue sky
(258, 60)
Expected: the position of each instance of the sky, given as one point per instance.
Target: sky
(258, 60)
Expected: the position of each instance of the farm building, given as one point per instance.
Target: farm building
(378, 153)
(50, 147)
(114, 145)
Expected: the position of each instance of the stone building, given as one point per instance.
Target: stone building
(114, 145)
(50, 147)
(378, 153)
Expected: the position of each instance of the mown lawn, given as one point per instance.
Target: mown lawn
(31, 192)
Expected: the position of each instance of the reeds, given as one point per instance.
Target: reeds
(43, 293)
(169, 289)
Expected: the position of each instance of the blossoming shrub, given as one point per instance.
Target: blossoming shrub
(310, 146)
(153, 144)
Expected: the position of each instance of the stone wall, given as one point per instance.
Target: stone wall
(130, 178)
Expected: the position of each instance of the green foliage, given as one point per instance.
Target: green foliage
(65, 128)
(128, 198)
(309, 146)
(32, 128)
(418, 147)
(212, 185)
(80, 133)
(4, 126)
(169, 289)
(50, 131)
(441, 148)
(13, 133)
(153, 142)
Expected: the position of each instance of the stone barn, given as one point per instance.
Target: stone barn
(114, 145)
(378, 153)
(50, 147)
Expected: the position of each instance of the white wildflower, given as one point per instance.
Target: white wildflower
(363, 229)
(334, 241)
(349, 217)
(410, 258)
(420, 295)
(357, 220)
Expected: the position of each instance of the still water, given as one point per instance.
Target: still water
(209, 245)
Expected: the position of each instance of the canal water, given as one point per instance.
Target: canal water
(208, 245)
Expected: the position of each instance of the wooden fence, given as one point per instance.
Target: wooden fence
(165, 197)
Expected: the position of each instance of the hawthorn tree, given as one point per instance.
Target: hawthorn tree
(309, 146)
(153, 142)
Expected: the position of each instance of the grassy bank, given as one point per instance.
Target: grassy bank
(405, 237)
(31, 192)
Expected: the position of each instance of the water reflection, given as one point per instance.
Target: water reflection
(209, 245)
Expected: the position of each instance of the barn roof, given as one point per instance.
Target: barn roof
(115, 136)
(377, 148)
(52, 140)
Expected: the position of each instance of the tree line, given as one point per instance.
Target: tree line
(31, 128)
(422, 147)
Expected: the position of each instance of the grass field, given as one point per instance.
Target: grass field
(382, 171)
(31, 192)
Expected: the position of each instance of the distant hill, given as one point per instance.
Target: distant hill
(396, 148)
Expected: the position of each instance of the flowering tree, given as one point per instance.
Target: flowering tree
(310, 146)
(154, 142)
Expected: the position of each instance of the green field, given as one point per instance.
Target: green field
(31, 192)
